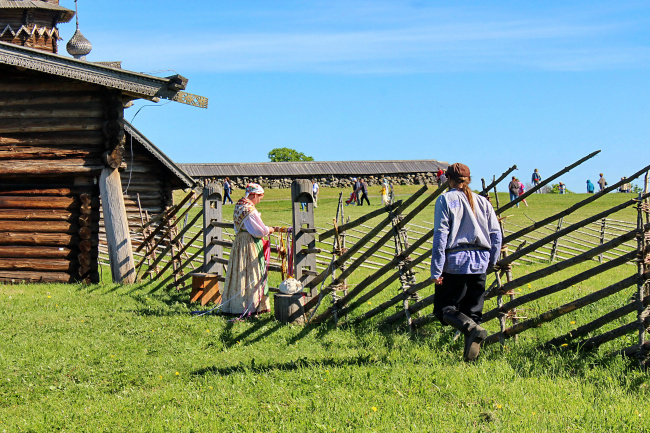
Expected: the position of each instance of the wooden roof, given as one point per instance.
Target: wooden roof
(313, 168)
(65, 14)
(133, 84)
(181, 178)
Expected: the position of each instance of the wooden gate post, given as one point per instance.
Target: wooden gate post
(304, 233)
(120, 252)
(212, 211)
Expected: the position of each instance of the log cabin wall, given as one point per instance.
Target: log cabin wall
(53, 133)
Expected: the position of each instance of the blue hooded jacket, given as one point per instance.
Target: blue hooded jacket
(590, 186)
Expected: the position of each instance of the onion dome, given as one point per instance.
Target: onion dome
(78, 46)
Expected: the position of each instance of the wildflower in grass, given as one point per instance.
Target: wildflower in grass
(529, 286)
(498, 406)
(207, 330)
(48, 297)
(573, 322)
(374, 409)
(369, 303)
(177, 373)
(565, 345)
(159, 377)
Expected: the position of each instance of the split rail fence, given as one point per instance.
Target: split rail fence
(385, 251)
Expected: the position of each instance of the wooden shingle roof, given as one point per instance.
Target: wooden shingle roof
(313, 168)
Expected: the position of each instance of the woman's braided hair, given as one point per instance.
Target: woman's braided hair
(462, 183)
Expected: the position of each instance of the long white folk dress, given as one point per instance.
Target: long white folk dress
(245, 289)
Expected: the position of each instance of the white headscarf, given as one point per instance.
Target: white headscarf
(254, 188)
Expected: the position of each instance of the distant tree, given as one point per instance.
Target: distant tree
(284, 154)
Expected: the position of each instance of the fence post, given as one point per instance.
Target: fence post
(602, 238)
(556, 241)
(304, 233)
(642, 257)
(212, 211)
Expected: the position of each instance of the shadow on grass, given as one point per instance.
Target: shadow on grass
(292, 365)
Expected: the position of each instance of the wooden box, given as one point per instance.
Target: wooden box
(290, 308)
(205, 288)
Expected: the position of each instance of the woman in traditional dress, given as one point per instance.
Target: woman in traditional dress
(245, 289)
(386, 192)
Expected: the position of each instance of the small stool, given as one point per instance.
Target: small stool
(205, 287)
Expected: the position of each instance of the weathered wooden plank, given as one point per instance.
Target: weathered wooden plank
(81, 138)
(28, 202)
(117, 227)
(38, 214)
(53, 239)
(9, 126)
(58, 153)
(38, 190)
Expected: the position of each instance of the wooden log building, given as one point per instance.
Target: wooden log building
(62, 137)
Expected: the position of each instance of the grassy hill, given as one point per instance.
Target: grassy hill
(119, 358)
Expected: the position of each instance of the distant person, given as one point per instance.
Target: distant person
(314, 191)
(227, 189)
(363, 189)
(513, 188)
(625, 186)
(561, 188)
(602, 183)
(522, 190)
(439, 176)
(386, 193)
(536, 179)
(590, 187)
(357, 188)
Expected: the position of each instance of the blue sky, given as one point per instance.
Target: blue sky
(491, 84)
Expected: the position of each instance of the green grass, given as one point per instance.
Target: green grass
(116, 358)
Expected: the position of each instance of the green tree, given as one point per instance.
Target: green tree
(284, 154)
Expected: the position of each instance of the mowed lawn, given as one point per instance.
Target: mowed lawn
(125, 358)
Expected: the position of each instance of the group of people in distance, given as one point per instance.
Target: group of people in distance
(360, 193)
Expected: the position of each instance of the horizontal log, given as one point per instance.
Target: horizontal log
(15, 251)
(418, 306)
(10, 126)
(52, 239)
(399, 298)
(83, 110)
(33, 264)
(45, 167)
(18, 189)
(27, 202)
(355, 223)
(36, 99)
(81, 138)
(42, 226)
(35, 277)
(38, 214)
(17, 153)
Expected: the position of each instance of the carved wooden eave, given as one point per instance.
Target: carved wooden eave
(132, 84)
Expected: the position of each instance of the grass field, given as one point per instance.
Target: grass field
(117, 358)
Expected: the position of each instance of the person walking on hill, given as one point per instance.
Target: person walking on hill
(466, 243)
(602, 183)
(561, 188)
(536, 179)
(513, 188)
(314, 191)
(590, 187)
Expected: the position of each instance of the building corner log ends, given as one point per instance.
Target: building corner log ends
(117, 227)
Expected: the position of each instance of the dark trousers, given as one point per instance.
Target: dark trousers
(364, 196)
(226, 196)
(460, 292)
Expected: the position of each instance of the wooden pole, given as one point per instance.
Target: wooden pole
(556, 241)
(555, 287)
(562, 310)
(117, 227)
(496, 182)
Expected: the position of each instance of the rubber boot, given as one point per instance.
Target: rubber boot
(474, 334)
